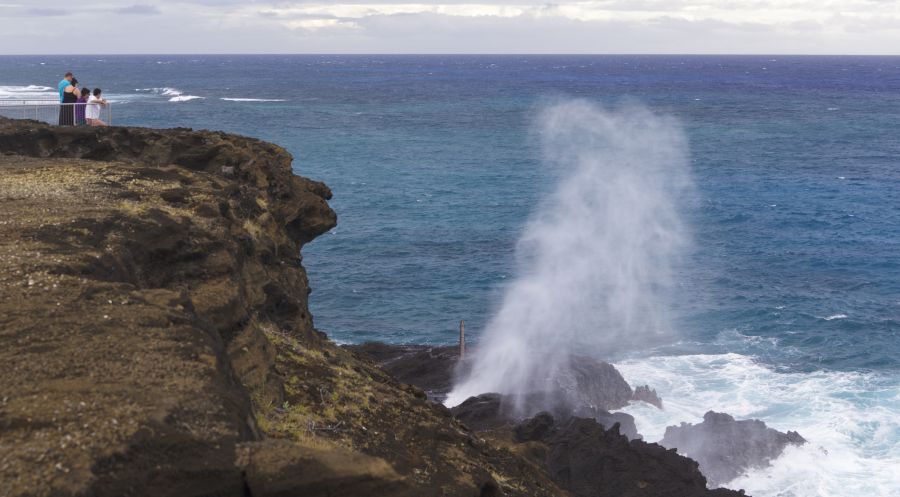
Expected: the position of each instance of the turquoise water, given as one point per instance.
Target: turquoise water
(790, 295)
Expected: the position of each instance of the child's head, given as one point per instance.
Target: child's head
(97, 92)
(85, 92)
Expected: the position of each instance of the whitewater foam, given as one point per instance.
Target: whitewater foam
(174, 94)
(185, 98)
(849, 419)
(253, 99)
(29, 92)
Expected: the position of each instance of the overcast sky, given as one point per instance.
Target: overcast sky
(450, 26)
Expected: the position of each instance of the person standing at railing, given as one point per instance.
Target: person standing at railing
(66, 81)
(70, 97)
(63, 84)
(92, 112)
(80, 106)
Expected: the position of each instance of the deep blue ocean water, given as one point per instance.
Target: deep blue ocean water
(789, 302)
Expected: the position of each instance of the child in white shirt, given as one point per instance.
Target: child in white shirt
(92, 110)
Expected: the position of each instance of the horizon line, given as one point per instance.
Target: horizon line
(461, 54)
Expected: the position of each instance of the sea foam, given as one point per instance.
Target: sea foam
(848, 418)
(253, 99)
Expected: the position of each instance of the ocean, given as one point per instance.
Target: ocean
(788, 296)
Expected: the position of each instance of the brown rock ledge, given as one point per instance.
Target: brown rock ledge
(155, 337)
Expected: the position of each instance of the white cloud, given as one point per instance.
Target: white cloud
(695, 26)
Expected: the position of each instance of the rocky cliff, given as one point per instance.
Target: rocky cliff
(155, 335)
(155, 339)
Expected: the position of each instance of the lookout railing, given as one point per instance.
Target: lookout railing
(52, 112)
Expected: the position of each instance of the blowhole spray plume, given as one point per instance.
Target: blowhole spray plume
(596, 258)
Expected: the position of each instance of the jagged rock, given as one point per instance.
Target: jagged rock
(537, 428)
(593, 384)
(646, 394)
(483, 412)
(586, 387)
(726, 448)
(590, 461)
(429, 368)
(491, 410)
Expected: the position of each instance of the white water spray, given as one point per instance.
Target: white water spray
(596, 259)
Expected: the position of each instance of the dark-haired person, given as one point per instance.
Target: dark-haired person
(63, 84)
(92, 111)
(70, 97)
(83, 97)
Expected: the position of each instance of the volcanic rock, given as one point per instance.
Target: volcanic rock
(644, 393)
(726, 448)
(156, 337)
(589, 384)
(589, 460)
(430, 368)
(491, 410)
(586, 386)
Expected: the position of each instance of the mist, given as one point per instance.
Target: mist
(595, 261)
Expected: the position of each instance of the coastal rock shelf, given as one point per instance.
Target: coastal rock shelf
(156, 340)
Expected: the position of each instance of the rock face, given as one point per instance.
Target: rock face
(429, 368)
(588, 388)
(589, 460)
(594, 385)
(156, 337)
(646, 394)
(726, 448)
(491, 410)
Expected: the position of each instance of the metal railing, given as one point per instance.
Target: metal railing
(53, 112)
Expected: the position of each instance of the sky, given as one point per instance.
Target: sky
(451, 26)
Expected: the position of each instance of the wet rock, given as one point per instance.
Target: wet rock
(490, 411)
(589, 460)
(586, 387)
(589, 383)
(429, 368)
(537, 428)
(483, 412)
(644, 393)
(726, 448)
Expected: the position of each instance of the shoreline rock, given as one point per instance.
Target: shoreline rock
(726, 448)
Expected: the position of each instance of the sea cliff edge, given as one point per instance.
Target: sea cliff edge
(156, 339)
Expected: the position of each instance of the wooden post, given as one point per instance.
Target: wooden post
(462, 340)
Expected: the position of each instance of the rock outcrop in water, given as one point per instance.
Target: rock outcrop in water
(592, 386)
(726, 448)
(589, 460)
(586, 449)
(491, 410)
(156, 340)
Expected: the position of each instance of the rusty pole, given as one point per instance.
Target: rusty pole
(462, 339)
